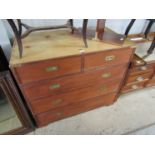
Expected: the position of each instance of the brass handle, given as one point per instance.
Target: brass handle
(134, 87)
(143, 68)
(106, 75)
(140, 78)
(52, 68)
(54, 86)
(59, 114)
(110, 58)
(103, 88)
(57, 102)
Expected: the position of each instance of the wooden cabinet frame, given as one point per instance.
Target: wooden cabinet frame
(8, 86)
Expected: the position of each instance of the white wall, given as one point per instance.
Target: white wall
(118, 25)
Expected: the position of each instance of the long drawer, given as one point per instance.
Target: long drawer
(72, 109)
(138, 78)
(65, 84)
(48, 103)
(141, 70)
(107, 58)
(133, 87)
(36, 71)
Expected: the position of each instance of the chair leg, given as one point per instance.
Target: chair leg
(129, 27)
(84, 32)
(17, 36)
(148, 28)
(152, 47)
(72, 25)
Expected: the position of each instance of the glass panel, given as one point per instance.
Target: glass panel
(8, 117)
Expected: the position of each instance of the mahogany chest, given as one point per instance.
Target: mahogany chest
(60, 78)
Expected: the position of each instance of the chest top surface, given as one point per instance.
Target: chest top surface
(55, 44)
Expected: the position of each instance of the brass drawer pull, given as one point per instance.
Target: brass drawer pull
(103, 88)
(134, 87)
(110, 58)
(106, 75)
(140, 78)
(52, 68)
(143, 68)
(59, 114)
(54, 86)
(57, 102)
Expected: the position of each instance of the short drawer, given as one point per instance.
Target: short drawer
(65, 84)
(48, 103)
(47, 69)
(138, 78)
(72, 109)
(107, 58)
(133, 87)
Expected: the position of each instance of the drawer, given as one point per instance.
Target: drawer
(47, 69)
(137, 61)
(107, 58)
(151, 82)
(138, 78)
(141, 70)
(62, 85)
(133, 87)
(48, 103)
(72, 109)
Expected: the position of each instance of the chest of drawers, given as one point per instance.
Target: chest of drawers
(67, 80)
(140, 75)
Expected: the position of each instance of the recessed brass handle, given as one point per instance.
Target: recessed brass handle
(134, 87)
(59, 114)
(54, 86)
(106, 75)
(143, 68)
(103, 88)
(140, 78)
(110, 58)
(57, 102)
(52, 68)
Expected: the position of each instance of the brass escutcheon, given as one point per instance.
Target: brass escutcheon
(52, 68)
(110, 58)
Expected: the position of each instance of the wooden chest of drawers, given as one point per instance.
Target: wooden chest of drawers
(140, 75)
(60, 85)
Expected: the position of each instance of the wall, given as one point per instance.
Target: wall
(118, 25)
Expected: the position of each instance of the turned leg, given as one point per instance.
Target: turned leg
(84, 31)
(129, 27)
(148, 28)
(17, 36)
(152, 47)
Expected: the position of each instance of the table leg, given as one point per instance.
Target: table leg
(152, 47)
(148, 28)
(129, 27)
(84, 32)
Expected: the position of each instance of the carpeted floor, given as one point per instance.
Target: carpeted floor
(132, 111)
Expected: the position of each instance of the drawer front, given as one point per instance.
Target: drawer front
(107, 58)
(141, 70)
(133, 87)
(62, 85)
(48, 103)
(138, 78)
(47, 69)
(151, 82)
(72, 109)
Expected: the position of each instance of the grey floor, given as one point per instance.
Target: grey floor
(133, 113)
